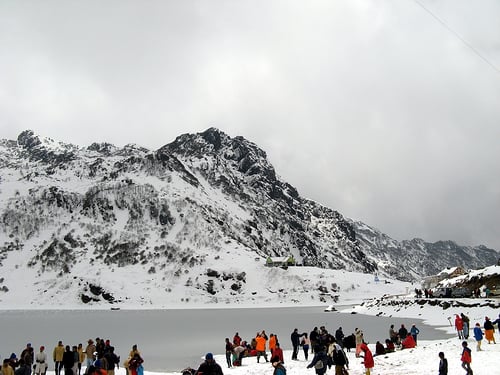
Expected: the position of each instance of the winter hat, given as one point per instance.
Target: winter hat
(209, 356)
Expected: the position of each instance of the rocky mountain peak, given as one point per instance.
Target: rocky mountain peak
(104, 148)
(28, 139)
(45, 150)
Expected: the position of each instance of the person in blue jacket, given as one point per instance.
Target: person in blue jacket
(414, 331)
(478, 335)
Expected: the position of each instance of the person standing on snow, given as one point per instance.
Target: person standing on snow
(57, 356)
(478, 335)
(89, 353)
(295, 338)
(497, 322)
(314, 336)
(443, 364)
(340, 359)
(459, 326)
(339, 336)
(414, 331)
(320, 360)
(402, 333)
(41, 362)
(273, 339)
(466, 358)
(466, 325)
(260, 346)
(359, 340)
(209, 367)
(68, 361)
(368, 356)
(229, 352)
(489, 331)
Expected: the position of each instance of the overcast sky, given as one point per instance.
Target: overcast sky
(387, 111)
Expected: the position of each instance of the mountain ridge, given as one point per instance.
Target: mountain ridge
(169, 211)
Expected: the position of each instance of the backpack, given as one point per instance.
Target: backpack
(339, 358)
(319, 365)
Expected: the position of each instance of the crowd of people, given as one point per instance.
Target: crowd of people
(329, 350)
(98, 358)
(462, 326)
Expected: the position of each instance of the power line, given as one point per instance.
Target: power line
(467, 44)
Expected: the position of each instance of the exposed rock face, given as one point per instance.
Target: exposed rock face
(67, 209)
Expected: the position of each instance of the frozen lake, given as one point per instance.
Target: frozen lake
(171, 340)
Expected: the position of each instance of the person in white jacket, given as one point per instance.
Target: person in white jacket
(41, 362)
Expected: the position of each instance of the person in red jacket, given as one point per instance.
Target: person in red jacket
(459, 326)
(278, 352)
(408, 342)
(466, 358)
(237, 339)
(368, 358)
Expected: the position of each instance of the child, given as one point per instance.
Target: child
(478, 335)
(466, 358)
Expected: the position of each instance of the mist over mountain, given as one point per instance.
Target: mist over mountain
(170, 218)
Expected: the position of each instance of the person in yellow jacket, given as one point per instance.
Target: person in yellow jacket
(6, 368)
(134, 351)
(261, 346)
(81, 358)
(57, 355)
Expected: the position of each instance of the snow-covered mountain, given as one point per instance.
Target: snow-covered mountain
(412, 259)
(92, 223)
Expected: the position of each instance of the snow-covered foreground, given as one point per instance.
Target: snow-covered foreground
(421, 360)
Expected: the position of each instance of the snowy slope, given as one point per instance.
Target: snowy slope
(190, 223)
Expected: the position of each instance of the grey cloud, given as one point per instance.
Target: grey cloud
(372, 108)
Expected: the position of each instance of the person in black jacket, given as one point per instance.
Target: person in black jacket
(68, 361)
(295, 338)
(209, 367)
(443, 364)
(403, 332)
(112, 360)
(339, 359)
(313, 337)
(339, 336)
